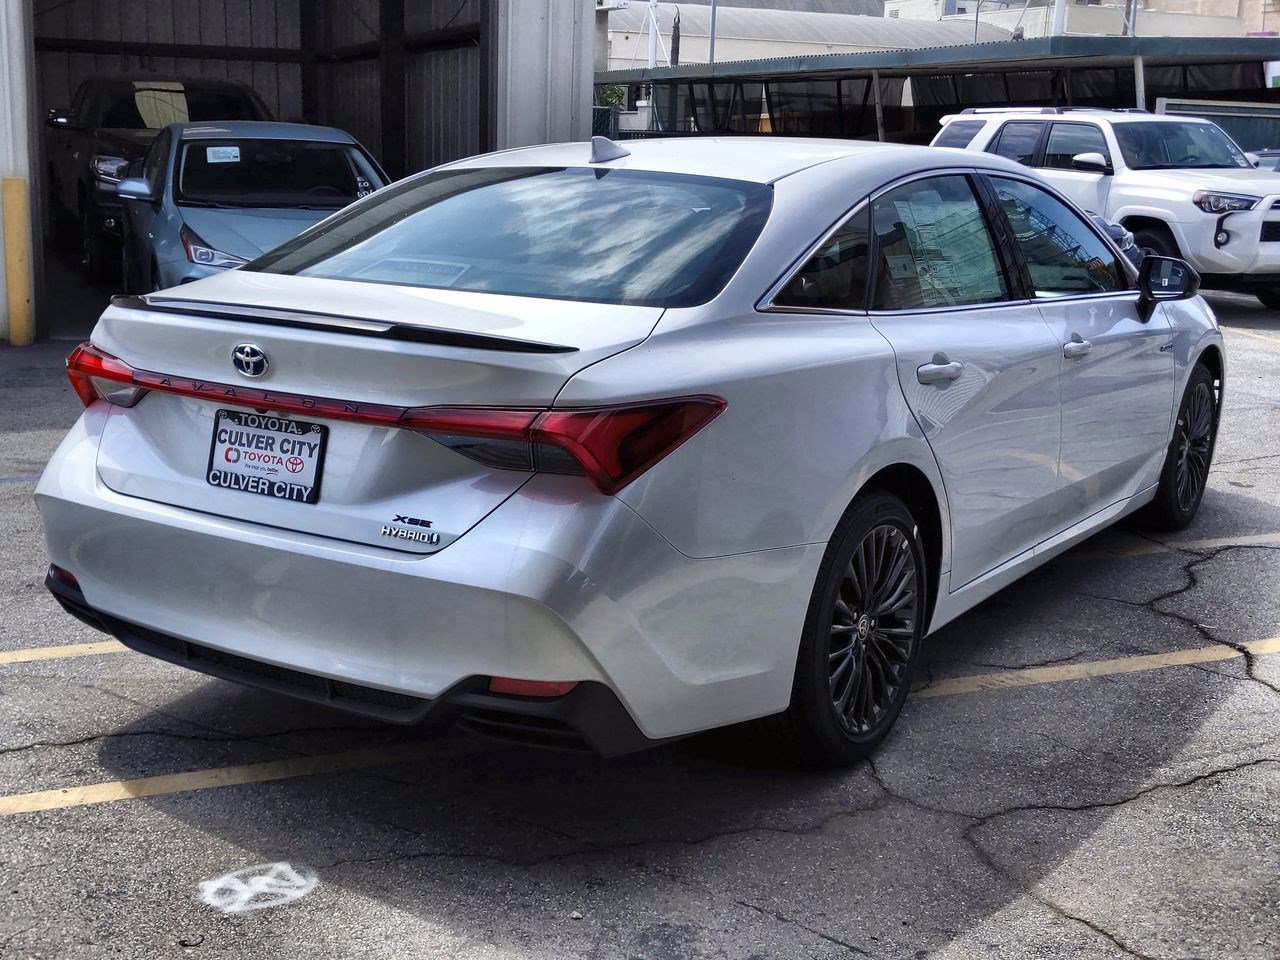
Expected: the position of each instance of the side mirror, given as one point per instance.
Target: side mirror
(58, 118)
(1091, 162)
(1161, 279)
(135, 188)
(1253, 159)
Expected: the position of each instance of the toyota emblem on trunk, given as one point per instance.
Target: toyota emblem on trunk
(249, 359)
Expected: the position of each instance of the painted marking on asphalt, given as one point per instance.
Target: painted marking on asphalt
(1151, 548)
(209, 779)
(61, 651)
(1033, 676)
(1250, 333)
(112, 790)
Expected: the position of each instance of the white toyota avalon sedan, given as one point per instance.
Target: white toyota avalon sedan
(596, 449)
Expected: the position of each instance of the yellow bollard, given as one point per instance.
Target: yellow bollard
(17, 260)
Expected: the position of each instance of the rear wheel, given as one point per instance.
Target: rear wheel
(1186, 464)
(862, 635)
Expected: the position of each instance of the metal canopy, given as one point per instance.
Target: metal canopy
(1041, 53)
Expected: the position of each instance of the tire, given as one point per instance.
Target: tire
(1155, 241)
(1186, 463)
(877, 536)
(93, 251)
(1269, 297)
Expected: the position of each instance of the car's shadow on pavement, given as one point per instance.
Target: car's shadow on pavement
(952, 839)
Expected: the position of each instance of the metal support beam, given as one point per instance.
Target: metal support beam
(392, 87)
(1139, 83)
(309, 41)
(875, 92)
(180, 51)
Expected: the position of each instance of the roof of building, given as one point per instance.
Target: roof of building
(1041, 53)
(261, 130)
(834, 29)
(868, 8)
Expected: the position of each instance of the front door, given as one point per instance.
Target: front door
(1086, 188)
(1117, 370)
(979, 370)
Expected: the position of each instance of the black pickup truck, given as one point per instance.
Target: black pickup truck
(112, 122)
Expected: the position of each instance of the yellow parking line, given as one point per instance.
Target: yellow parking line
(1150, 548)
(349, 760)
(1096, 668)
(1250, 333)
(209, 779)
(61, 651)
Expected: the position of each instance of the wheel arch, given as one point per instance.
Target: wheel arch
(912, 486)
(1138, 221)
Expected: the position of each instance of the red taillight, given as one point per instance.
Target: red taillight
(611, 445)
(530, 688)
(96, 375)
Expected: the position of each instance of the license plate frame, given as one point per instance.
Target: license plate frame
(259, 466)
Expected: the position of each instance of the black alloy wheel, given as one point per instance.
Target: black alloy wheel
(1185, 473)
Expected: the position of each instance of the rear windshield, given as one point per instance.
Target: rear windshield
(150, 105)
(273, 173)
(608, 236)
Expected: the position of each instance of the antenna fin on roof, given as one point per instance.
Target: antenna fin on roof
(602, 149)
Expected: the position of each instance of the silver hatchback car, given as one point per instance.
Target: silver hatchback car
(591, 447)
(211, 196)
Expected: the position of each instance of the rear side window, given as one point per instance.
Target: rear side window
(1064, 256)
(570, 233)
(933, 248)
(835, 278)
(958, 133)
(1018, 140)
(1067, 140)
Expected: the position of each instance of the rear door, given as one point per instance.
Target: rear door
(1066, 141)
(1117, 369)
(977, 365)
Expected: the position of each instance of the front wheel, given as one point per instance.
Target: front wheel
(1155, 242)
(1186, 463)
(862, 634)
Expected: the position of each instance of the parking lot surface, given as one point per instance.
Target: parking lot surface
(1091, 768)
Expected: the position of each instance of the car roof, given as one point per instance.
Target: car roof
(260, 130)
(1073, 113)
(758, 159)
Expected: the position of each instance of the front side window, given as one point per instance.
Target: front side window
(1064, 256)
(272, 173)
(958, 133)
(570, 233)
(1068, 140)
(933, 248)
(1177, 144)
(1018, 140)
(835, 278)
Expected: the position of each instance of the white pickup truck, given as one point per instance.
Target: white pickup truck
(1180, 184)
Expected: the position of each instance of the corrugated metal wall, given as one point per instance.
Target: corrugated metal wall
(443, 108)
(266, 24)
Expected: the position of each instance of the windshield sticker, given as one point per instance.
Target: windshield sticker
(222, 154)
(363, 186)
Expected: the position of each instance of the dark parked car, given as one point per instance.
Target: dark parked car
(112, 121)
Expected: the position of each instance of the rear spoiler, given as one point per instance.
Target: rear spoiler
(336, 323)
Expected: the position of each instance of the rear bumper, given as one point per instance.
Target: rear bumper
(552, 585)
(589, 717)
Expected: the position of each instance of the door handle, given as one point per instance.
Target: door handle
(940, 369)
(1076, 347)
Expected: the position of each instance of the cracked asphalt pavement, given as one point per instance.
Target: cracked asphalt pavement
(1119, 814)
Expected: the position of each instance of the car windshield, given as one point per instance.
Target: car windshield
(1176, 144)
(273, 173)
(609, 236)
(151, 105)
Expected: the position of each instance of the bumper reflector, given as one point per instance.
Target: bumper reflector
(530, 688)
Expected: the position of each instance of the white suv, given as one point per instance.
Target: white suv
(1179, 183)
